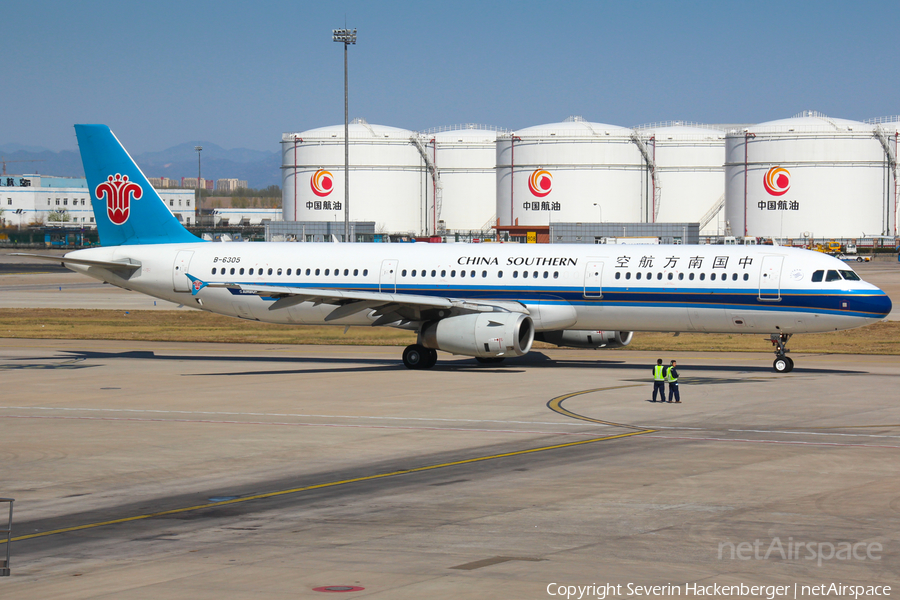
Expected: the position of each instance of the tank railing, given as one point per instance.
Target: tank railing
(810, 113)
(464, 127)
(712, 212)
(660, 124)
(880, 120)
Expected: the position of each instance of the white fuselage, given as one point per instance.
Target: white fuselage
(724, 289)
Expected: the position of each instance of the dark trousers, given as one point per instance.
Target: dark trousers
(673, 391)
(659, 386)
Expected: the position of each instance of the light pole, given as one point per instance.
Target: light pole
(197, 207)
(347, 37)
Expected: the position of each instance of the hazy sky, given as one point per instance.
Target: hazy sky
(239, 74)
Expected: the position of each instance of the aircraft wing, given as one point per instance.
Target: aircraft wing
(390, 308)
(128, 266)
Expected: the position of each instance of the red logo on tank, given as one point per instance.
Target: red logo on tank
(119, 192)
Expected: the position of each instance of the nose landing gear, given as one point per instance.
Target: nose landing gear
(782, 363)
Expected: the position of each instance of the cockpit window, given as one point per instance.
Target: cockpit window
(817, 276)
(850, 276)
(832, 276)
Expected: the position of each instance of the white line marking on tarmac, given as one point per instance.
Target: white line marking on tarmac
(872, 435)
(796, 443)
(210, 421)
(305, 416)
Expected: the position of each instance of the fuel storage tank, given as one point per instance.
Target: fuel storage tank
(574, 171)
(687, 172)
(387, 176)
(810, 175)
(464, 158)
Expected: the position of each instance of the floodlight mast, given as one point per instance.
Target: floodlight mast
(347, 37)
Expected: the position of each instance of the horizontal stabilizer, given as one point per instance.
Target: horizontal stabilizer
(127, 265)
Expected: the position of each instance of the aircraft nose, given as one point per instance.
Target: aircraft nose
(879, 305)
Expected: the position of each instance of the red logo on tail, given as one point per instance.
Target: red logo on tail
(119, 192)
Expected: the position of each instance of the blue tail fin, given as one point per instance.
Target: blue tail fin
(126, 207)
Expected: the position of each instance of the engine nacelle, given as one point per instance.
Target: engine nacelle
(486, 335)
(577, 338)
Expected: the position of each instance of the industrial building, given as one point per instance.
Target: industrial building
(66, 201)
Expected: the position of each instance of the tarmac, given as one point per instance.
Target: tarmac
(176, 470)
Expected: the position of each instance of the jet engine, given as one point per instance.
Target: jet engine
(577, 338)
(487, 335)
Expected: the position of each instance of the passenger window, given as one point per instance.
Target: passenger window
(279, 271)
(691, 277)
(850, 276)
(712, 277)
(832, 276)
(702, 276)
(659, 275)
(515, 274)
(346, 272)
(484, 273)
(638, 275)
(500, 274)
(365, 272)
(555, 274)
(472, 274)
(402, 273)
(307, 272)
(628, 275)
(413, 273)
(817, 276)
(327, 271)
(535, 274)
(680, 276)
(546, 274)
(453, 273)
(223, 270)
(734, 276)
(288, 272)
(433, 272)
(232, 270)
(746, 276)
(214, 271)
(649, 275)
(670, 276)
(251, 270)
(443, 273)
(270, 270)
(317, 271)
(525, 274)
(355, 272)
(618, 274)
(242, 270)
(462, 273)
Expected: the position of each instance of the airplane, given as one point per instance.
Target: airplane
(487, 301)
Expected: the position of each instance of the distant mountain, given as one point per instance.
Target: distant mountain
(260, 169)
(13, 147)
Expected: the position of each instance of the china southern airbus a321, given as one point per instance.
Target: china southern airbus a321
(489, 301)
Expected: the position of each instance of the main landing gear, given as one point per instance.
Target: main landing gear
(782, 363)
(418, 356)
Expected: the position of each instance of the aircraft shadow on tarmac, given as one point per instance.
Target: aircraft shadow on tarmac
(530, 360)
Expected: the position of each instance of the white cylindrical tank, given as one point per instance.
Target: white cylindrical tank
(387, 176)
(466, 158)
(809, 174)
(689, 175)
(889, 130)
(569, 172)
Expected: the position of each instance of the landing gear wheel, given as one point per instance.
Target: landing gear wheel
(783, 364)
(415, 357)
(859, 259)
(432, 358)
(485, 360)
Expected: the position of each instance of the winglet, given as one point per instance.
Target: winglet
(196, 284)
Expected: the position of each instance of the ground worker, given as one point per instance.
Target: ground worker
(672, 378)
(659, 381)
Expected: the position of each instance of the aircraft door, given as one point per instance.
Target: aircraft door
(770, 278)
(593, 275)
(387, 282)
(180, 282)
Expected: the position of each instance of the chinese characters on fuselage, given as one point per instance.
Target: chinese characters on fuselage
(694, 262)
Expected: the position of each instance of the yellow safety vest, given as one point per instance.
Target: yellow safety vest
(659, 373)
(669, 376)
